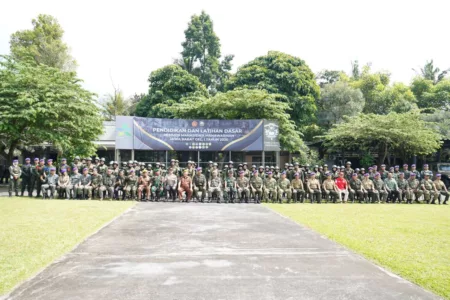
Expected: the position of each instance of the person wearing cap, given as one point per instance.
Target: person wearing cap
(371, 173)
(102, 167)
(144, 183)
(383, 172)
(14, 172)
(40, 170)
(229, 187)
(425, 168)
(298, 190)
(316, 170)
(215, 185)
(429, 189)
(243, 185)
(252, 172)
(396, 173)
(50, 182)
(348, 171)
(84, 188)
(256, 186)
(74, 185)
(48, 166)
(131, 182)
(185, 185)
(34, 176)
(76, 163)
(97, 183)
(130, 167)
(270, 188)
(391, 188)
(191, 169)
(290, 172)
(157, 186)
(157, 167)
(402, 184)
(330, 189)
(356, 189)
(119, 185)
(441, 189)
(107, 185)
(284, 188)
(64, 165)
(90, 166)
(406, 171)
(342, 187)
(297, 169)
(314, 189)
(369, 187)
(64, 184)
(414, 189)
(380, 186)
(415, 171)
(83, 165)
(171, 181)
(174, 167)
(26, 177)
(199, 183)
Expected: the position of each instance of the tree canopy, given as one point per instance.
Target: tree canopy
(40, 104)
(168, 85)
(241, 104)
(432, 96)
(283, 74)
(429, 72)
(43, 43)
(403, 135)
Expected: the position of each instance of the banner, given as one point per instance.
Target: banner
(196, 135)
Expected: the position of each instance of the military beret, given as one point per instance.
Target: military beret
(42, 159)
(255, 172)
(85, 169)
(199, 169)
(370, 168)
(241, 172)
(425, 165)
(312, 173)
(269, 173)
(354, 174)
(283, 173)
(366, 175)
(413, 165)
(438, 175)
(296, 174)
(75, 168)
(328, 173)
(377, 174)
(63, 159)
(63, 170)
(27, 159)
(412, 174)
(15, 160)
(52, 169)
(397, 167)
(49, 160)
(405, 165)
(131, 171)
(36, 159)
(401, 173)
(383, 165)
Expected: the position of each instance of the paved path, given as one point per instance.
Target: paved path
(212, 251)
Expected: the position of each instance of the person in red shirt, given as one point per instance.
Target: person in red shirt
(342, 186)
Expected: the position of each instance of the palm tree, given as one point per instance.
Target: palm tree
(431, 73)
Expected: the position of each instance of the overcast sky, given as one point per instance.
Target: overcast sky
(129, 39)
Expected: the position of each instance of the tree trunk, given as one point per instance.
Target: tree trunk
(382, 153)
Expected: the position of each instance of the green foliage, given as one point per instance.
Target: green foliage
(283, 74)
(43, 43)
(367, 160)
(240, 104)
(402, 134)
(337, 100)
(115, 105)
(168, 85)
(429, 72)
(438, 96)
(201, 53)
(440, 121)
(311, 157)
(328, 76)
(41, 104)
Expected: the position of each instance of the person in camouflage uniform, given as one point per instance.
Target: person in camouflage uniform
(64, 184)
(144, 184)
(242, 184)
(402, 187)
(96, 183)
(215, 186)
(157, 188)
(426, 169)
(407, 172)
(356, 189)
(90, 166)
(124, 168)
(256, 186)
(51, 183)
(397, 173)
(429, 190)
(119, 186)
(246, 170)
(76, 164)
(26, 177)
(191, 169)
(230, 187)
(415, 171)
(115, 169)
(348, 172)
(171, 181)
(284, 188)
(380, 187)
(414, 189)
(276, 174)
(34, 176)
(40, 170)
(368, 185)
(102, 167)
(314, 188)
(64, 166)
(441, 189)
(131, 185)
(261, 172)
(108, 184)
(383, 172)
(199, 182)
(330, 189)
(75, 180)
(270, 188)
(298, 190)
(15, 172)
(84, 188)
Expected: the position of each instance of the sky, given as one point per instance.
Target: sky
(120, 42)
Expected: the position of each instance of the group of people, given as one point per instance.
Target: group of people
(86, 179)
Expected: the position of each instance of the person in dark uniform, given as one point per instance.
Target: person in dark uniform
(26, 177)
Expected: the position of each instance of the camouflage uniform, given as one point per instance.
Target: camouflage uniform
(14, 182)
(131, 186)
(381, 188)
(243, 188)
(414, 189)
(85, 188)
(402, 188)
(199, 186)
(214, 187)
(108, 185)
(284, 186)
(314, 190)
(356, 189)
(440, 187)
(229, 190)
(429, 190)
(256, 185)
(270, 189)
(97, 182)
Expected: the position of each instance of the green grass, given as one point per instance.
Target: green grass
(36, 232)
(412, 241)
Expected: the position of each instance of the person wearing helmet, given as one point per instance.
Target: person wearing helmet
(76, 164)
(150, 170)
(261, 173)
(199, 182)
(171, 181)
(246, 170)
(119, 186)
(414, 189)
(429, 189)
(115, 168)
(89, 165)
(157, 186)
(108, 184)
(215, 184)
(124, 168)
(191, 169)
(276, 173)
(102, 167)
(96, 161)
(185, 185)
(208, 172)
(348, 171)
(298, 190)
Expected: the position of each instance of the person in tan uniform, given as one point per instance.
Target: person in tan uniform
(330, 189)
(298, 190)
(314, 188)
(185, 185)
(369, 187)
(441, 189)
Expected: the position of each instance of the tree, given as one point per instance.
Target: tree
(338, 100)
(115, 105)
(283, 74)
(440, 121)
(429, 72)
(201, 53)
(40, 104)
(168, 85)
(44, 44)
(241, 104)
(328, 76)
(432, 96)
(134, 101)
(403, 135)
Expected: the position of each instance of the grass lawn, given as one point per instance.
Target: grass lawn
(36, 232)
(412, 241)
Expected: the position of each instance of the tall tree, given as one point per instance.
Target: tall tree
(432, 73)
(115, 105)
(168, 85)
(201, 53)
(432, 96)
(40, 104)
(328, 76)
(44, 44)
(241, 104)
(338, 100)
(370, 132)
(283, 74)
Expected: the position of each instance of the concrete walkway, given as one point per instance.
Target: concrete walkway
(212, 251)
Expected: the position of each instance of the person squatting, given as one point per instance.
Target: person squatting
(87, 179)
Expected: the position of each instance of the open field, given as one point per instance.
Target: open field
(36, 232)
(411, 241)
